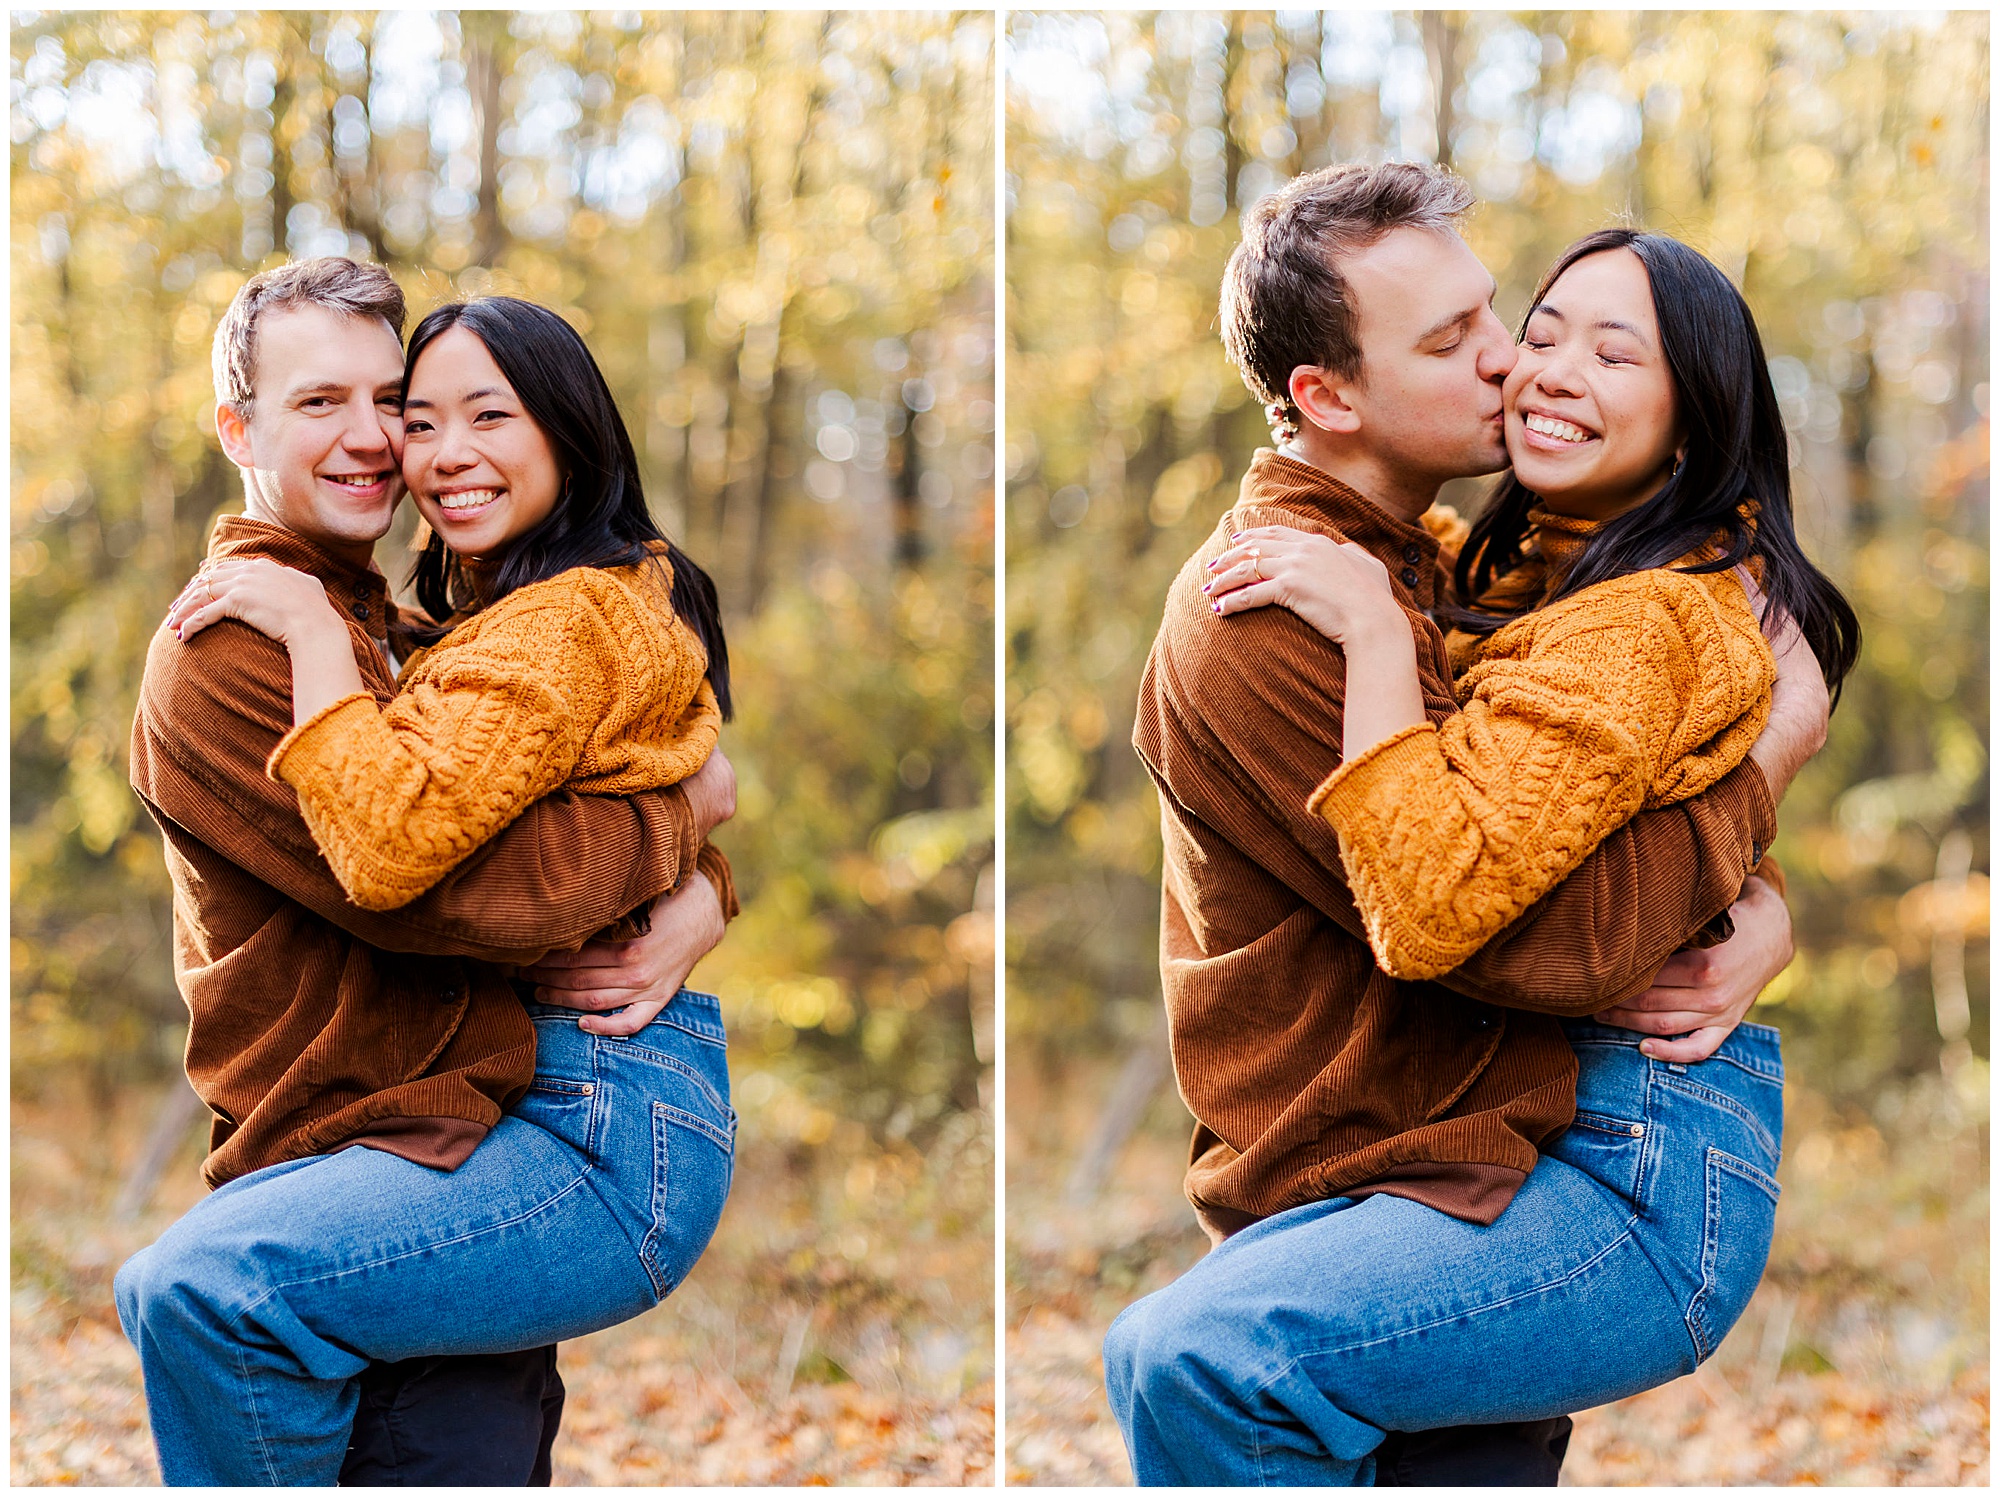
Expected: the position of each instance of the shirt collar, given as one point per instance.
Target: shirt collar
(360, 592)
(1408, 550)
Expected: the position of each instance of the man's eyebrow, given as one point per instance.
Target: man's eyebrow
(318, 387)
(1445, 324)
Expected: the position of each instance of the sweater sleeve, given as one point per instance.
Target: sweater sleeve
(1449, 833)
(398, 796)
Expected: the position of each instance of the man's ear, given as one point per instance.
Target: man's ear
(232, 429)
(1322, 399)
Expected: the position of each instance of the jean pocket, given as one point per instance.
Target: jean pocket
(1738, 1216)
(693, 1161)
(1611, 1150)
(565, 1108)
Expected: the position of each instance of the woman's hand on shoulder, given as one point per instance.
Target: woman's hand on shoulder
(275, 600)
(1341, 589)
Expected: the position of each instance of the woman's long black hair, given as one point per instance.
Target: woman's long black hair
(601, 520)
(1736, 451)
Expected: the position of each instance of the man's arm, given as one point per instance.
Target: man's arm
(1702, 995)
(1242, 720)
(568, 866)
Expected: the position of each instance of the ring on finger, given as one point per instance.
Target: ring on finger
(1256, 570)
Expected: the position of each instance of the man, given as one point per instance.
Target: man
(1360, 317)
(317, 1026)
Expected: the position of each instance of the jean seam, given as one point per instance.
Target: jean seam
(1624, 1235)
(679, 1067)
(274, 1289)
(706, 1035)
(708, 1130)
(1709, 1096)
(649, 1248)
(256, 1420)
(1774, 1077)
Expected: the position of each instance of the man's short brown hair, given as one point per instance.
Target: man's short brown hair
(1285, 302)
(331, 281)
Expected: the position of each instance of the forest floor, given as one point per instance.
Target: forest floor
(837, 1332)
(1861, 1361)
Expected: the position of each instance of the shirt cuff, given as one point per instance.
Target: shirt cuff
(711, 862)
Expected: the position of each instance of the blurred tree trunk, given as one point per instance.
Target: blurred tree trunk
(1234, 157)
(1442, 33)
(485, 33)
(361, 189)
(282, 95)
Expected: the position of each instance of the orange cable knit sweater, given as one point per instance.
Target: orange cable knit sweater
(587, 681)
(1635, 693)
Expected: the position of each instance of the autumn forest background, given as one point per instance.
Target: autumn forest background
(1835, 165)
(775, 232)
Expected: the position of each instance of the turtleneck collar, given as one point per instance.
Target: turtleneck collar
(1560, 539)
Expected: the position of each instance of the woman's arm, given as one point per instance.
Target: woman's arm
(292, 608)
(1342, 591)
(1448, 833)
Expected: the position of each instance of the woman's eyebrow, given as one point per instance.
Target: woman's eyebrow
(1608, 324)
(416, 404)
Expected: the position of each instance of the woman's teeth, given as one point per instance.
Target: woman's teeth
(1562, 431)
(469, 499)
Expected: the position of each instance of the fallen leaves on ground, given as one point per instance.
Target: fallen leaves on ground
(1862, 1360)
(825, 1339)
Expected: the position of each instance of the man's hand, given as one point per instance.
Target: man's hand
(1799, 709)
(711, 792)
(641, 976)
(1703, 995)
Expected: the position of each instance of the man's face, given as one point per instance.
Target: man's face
(1433, 355)
(320, 447)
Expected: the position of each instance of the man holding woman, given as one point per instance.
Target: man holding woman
(1446, 1216)
(370, 1070)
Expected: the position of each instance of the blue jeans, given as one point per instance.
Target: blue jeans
(1283, 1356)
(256, 1312)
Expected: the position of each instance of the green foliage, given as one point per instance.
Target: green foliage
(774, 230)
(1834, 166)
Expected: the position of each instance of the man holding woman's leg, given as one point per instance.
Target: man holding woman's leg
(1420, 1223)
(327, 1037)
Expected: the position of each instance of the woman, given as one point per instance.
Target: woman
(1611, 657)
(578, 648)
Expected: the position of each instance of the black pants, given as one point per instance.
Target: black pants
(456, 1422)
(1475, 1455)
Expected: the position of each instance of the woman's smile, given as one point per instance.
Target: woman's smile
(1592, 424)
(483, 471)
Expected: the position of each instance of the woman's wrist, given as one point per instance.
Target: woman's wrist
(1383, 694)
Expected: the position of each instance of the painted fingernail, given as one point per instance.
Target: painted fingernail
(1217, 605)
(1206, 586)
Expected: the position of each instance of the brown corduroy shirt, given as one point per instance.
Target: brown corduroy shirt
(1311, 1073)
(315, 1024)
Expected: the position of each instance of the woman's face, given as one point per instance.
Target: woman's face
(1592, 423)
(482, 472)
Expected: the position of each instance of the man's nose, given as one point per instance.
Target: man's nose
(1499, 353)
(368, 432)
